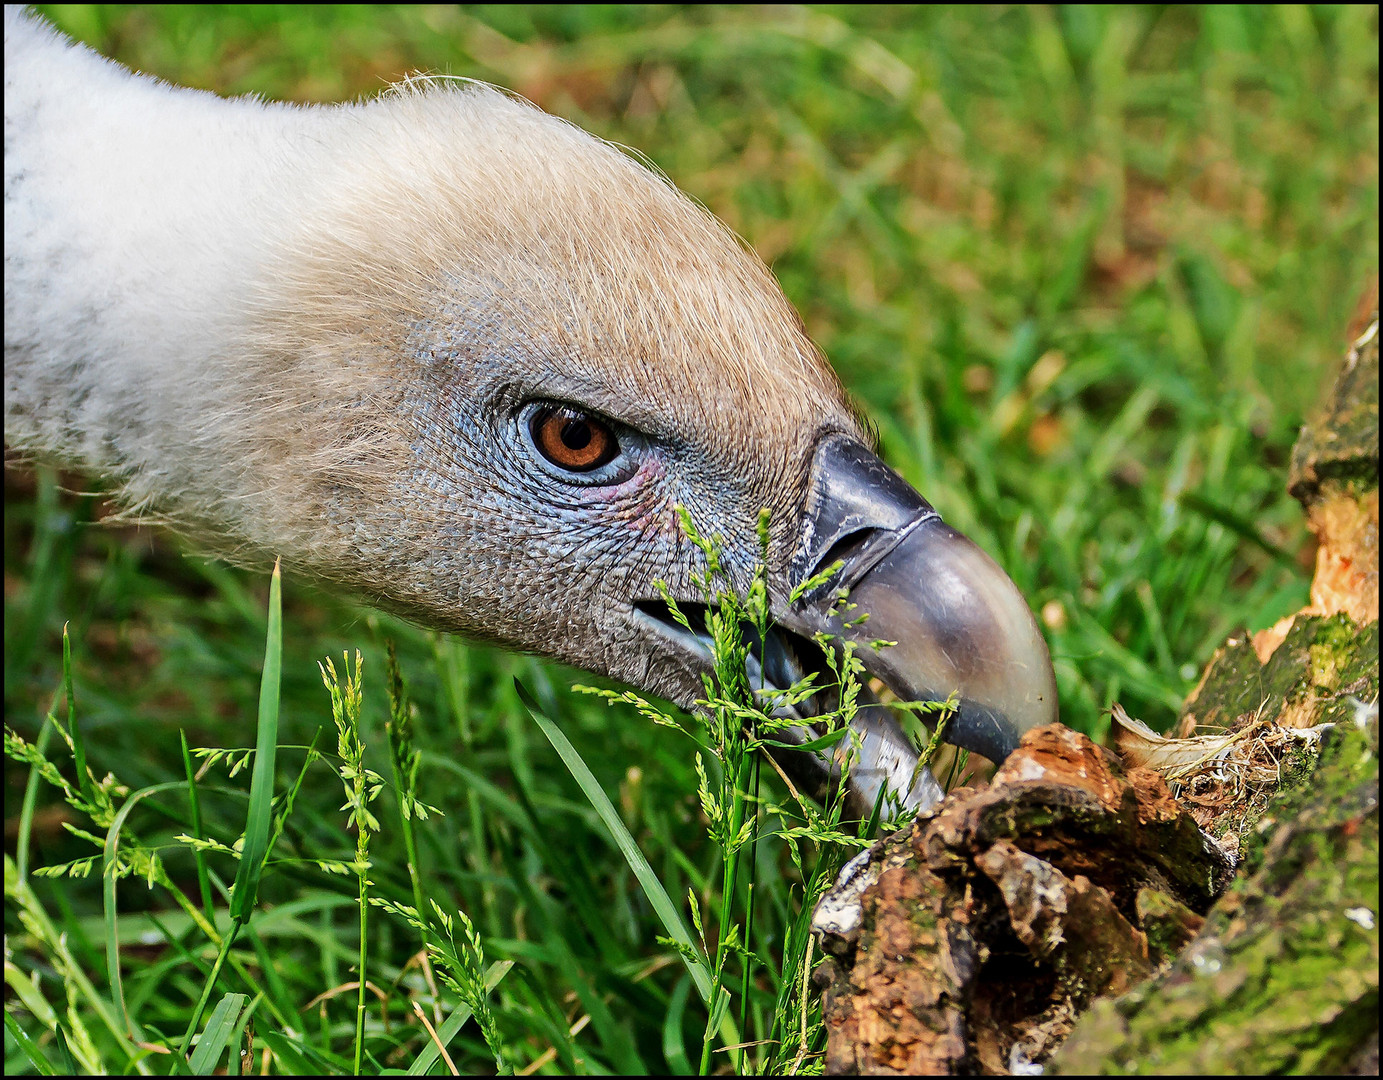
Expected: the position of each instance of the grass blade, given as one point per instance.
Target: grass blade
(73, 731)
(260, 819)
(18, 892)
(456, 1021)
(26, 811)
(296, 1058)
(108, 877)
(28, 1047)
(220, 1029)
(674, 1048)
(1235, 523)
(648, 880)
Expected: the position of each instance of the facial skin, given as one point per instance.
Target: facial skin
(589, 284)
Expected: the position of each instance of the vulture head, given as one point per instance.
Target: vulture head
(459, 357)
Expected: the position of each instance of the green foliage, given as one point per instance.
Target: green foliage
(1085, 268)
(362, 787)
(736, 721)
(465, 972)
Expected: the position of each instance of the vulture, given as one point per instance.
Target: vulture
(464, 360)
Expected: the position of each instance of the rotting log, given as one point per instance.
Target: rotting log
(1071, 914)
(1284, 975)
(973, 940)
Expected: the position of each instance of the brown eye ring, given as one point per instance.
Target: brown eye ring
(571, 439)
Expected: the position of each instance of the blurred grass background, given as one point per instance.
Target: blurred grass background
(1087, 268)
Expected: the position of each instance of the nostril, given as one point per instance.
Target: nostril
(845, 549)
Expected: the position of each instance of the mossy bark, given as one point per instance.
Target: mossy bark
(975, 938)
(1284, 975)
(1065, 915)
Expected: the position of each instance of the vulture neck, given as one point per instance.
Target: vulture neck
(137, 215)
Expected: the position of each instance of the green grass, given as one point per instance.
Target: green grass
(1086, 269)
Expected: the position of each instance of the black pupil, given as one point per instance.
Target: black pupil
(576, 434)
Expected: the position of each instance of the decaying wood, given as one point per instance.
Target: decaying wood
(1068, 914)
(999, 916)
(1283, 977)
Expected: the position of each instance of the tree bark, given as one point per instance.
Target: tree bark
(1076, 914)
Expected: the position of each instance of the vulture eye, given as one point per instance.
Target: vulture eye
(571, 439)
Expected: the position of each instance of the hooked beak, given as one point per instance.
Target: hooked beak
(956, 625)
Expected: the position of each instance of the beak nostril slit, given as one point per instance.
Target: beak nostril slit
(845, 549)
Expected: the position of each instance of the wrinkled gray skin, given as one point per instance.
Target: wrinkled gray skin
(554, 562)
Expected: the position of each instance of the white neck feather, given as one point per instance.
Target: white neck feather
(135, 216)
